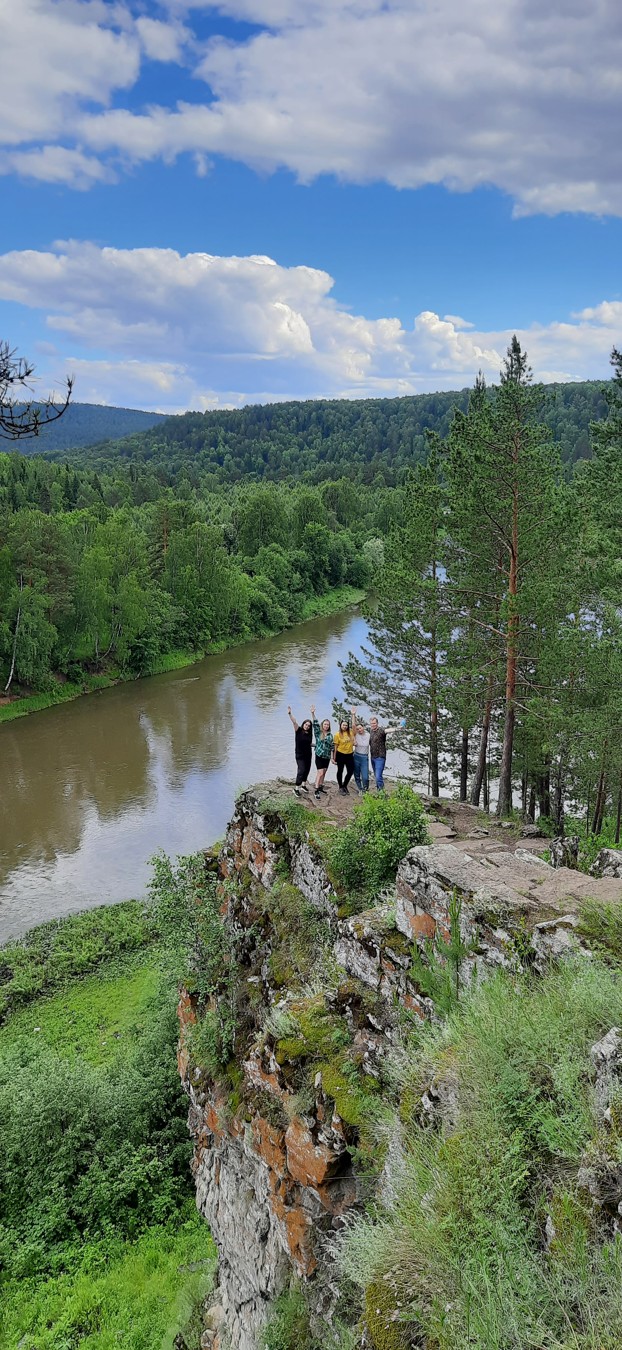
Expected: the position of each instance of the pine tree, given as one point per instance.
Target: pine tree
(402, 673)
(503, 475)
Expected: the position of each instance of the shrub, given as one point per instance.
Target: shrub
(364, 855)
(88, 1151)
(199, 950)
(139, 1295)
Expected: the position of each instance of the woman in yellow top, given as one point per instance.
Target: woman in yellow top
(343, 755)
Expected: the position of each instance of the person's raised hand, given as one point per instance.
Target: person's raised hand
(289, 709)
(313, 709)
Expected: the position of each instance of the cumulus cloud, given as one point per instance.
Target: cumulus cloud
(521, 95)
(158, 329)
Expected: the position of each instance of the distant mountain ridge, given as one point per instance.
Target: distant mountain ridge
(320, 439)
(86, 424)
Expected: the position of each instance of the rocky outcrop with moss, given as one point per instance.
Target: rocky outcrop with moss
(291, 1059)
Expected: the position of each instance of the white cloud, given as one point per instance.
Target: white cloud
(57, 56)
(522, 95)
(151, 327)
(57, 164)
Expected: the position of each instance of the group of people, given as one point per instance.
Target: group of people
(349, 749)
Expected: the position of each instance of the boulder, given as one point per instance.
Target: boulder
(608, 863)
(565, 852)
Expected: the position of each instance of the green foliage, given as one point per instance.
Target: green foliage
(199, 950)
(600, 924)
(437, 970)
(120, 577)
(113, 1137)
(459, 1239)
(364, 855)
(100, 1245)
(55, 952)
(288, 1326)
(130, 1295)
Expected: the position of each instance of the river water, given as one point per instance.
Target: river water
(91, 789)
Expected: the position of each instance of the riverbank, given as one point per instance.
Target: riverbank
(317, 606)
(101, 1244)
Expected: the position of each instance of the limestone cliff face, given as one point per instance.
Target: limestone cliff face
(284, 1138)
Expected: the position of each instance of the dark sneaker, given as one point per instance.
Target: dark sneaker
(316, 794)
(304, 787)
(296, 791)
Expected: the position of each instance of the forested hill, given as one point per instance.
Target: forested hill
(322, 439)
(86, 424)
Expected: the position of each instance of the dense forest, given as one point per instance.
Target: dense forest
(371, 440)
(87, 424)
(112, 572)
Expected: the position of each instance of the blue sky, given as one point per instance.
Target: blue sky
(205, 205)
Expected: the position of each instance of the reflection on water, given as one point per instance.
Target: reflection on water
(91, 789)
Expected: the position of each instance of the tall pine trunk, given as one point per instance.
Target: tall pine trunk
(504, 803)
(480, 769)
(434, 776)
(464, 764)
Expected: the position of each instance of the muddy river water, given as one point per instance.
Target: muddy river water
(91, 789)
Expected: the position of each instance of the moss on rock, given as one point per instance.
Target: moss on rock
(382, 1317)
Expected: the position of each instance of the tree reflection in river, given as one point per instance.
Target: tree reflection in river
(93, 788)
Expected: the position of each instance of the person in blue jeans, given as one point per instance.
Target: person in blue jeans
(378, 747)
(361, 754)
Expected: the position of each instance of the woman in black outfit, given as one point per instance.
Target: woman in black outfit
(304, 737)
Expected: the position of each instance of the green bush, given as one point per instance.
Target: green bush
(55, 952)
(199, 950)
(364, 855)
(460, 1238)
(88, 1152)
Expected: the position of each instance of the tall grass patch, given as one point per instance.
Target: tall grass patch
(460, 1247)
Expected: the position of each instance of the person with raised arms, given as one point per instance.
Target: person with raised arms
(303, 742)
(323, 750)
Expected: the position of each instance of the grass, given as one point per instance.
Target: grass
(459, 1245)
(60, 693)
(95, 1019)
(127, 1295)
(319, 605)
(53, 953)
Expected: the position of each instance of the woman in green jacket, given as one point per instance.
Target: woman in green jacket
(323, 750)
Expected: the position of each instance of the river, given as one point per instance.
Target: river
(92, 789)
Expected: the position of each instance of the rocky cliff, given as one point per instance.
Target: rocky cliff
(286, 1132)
